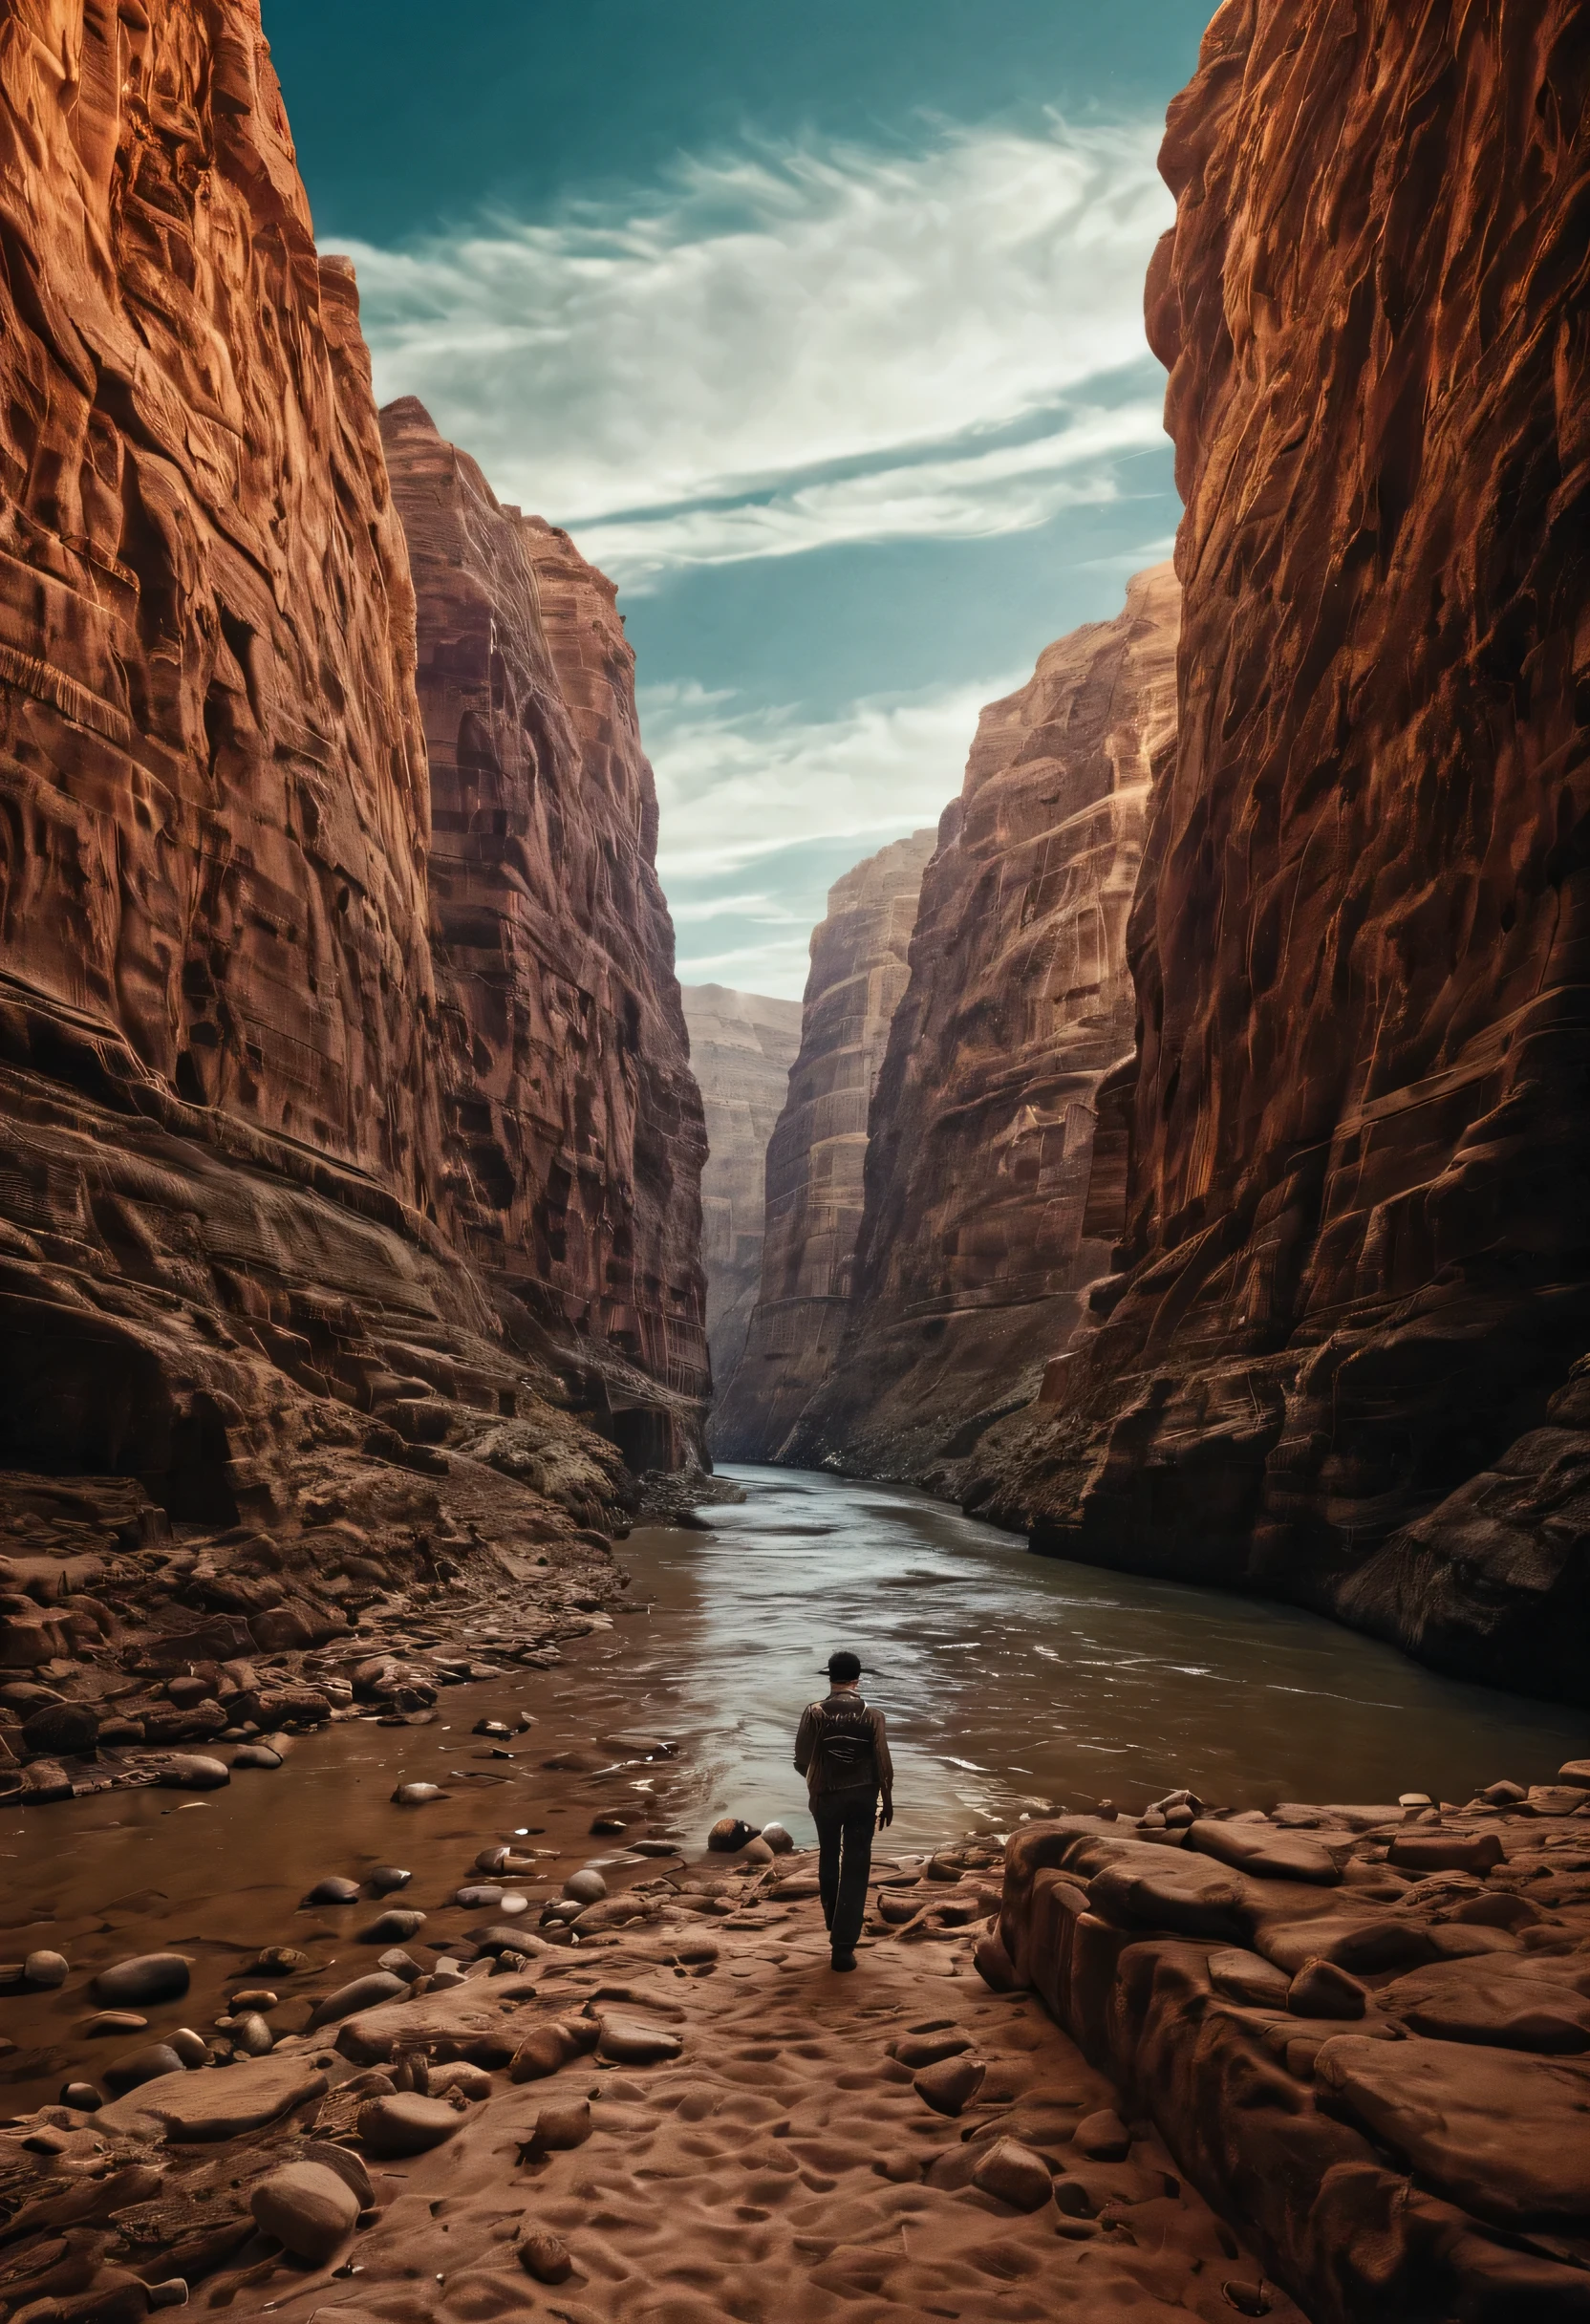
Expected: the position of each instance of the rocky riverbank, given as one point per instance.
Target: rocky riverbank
(684, 2113)
(1190, 2062)
(136, 1652)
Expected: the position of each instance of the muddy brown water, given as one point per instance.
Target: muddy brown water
(1011, 1684)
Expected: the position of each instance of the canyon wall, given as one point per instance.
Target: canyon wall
(573, 1139)
(818, 1151)
(741, 1047)
(976, 1245)
(1342, 1358)
(228, 1188)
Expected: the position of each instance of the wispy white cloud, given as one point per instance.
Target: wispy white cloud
(741, 786)
(769, 316)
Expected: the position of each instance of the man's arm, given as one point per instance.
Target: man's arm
(886, 1771)
(805, 1740)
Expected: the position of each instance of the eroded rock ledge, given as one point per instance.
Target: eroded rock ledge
(1360, 2029)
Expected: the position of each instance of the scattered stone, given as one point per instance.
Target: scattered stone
(1446, 1852)
(915, 2050)
(587, 1887)
(607, 1827)
(361, 1994)
(45, 1783)
(256, 1755)
(73, 1728)
(1321, 1989)
(279, 1960)
(249, 2033)
(147, 2065)
(255, 1997)
(545, 2256)
(1574, 1772)
(385, 1878)
(729, 1834)
(778, 1838)
(394, 1927)
(951, 2085)
(627, 2041)
(471, 2082)
(46, 1969)
(1014, 2174)
(494, 1728)
(418, 1794)
(1503, 1794)
(1103, 2136)
(144, 1978)
(476, 1899)
(398, 1964)
(115, 2021)
(191, 2048)
(405, 2124)
(82, 2097)
(556, 2130)
(1247, 2297)
(190, 1773)
(309, 2209)
(332, 1891)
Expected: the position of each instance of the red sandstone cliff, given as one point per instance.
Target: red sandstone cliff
(741, 1047)
(215, 802)
(573, 1132)
(975, 1247)
(816, 1156)
(226, 1273)
(1338, 1361)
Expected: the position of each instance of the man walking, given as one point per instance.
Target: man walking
(843, 1752)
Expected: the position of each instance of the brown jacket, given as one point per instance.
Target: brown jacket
(809, 1760)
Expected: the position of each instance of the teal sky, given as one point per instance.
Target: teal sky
(820, 329)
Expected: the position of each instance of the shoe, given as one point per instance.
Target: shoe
(844, 1961)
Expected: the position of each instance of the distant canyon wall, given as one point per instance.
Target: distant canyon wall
(976, 1244)
(817, 1153)
(1343, 1357)
(741, 1047)
(238, 1148)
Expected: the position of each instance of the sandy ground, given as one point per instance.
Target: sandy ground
(783, 2166)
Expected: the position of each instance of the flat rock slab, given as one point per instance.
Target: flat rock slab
(435, 2020)
(1499, 2132)
(1190, 1896)
(198, 2108)
(1267, 1855)
(1453, 2001)
(1363, 1943)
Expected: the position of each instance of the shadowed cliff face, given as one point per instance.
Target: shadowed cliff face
(741, 1047)
(574, 1134)
(226, 1204)
(975, 1246)
(1356, 1279)
(818, 1151)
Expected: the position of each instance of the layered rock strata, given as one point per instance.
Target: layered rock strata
(976, 1243)
(741, 1047)
(1337, 1360)
(1359, 2031)
(817, 1154)
(230, 1311)
(573, 1139)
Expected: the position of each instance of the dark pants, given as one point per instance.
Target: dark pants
(844, 1821)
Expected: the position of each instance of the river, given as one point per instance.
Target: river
(1011, 1684)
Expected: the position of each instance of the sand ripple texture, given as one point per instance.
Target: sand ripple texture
(783, 2166)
